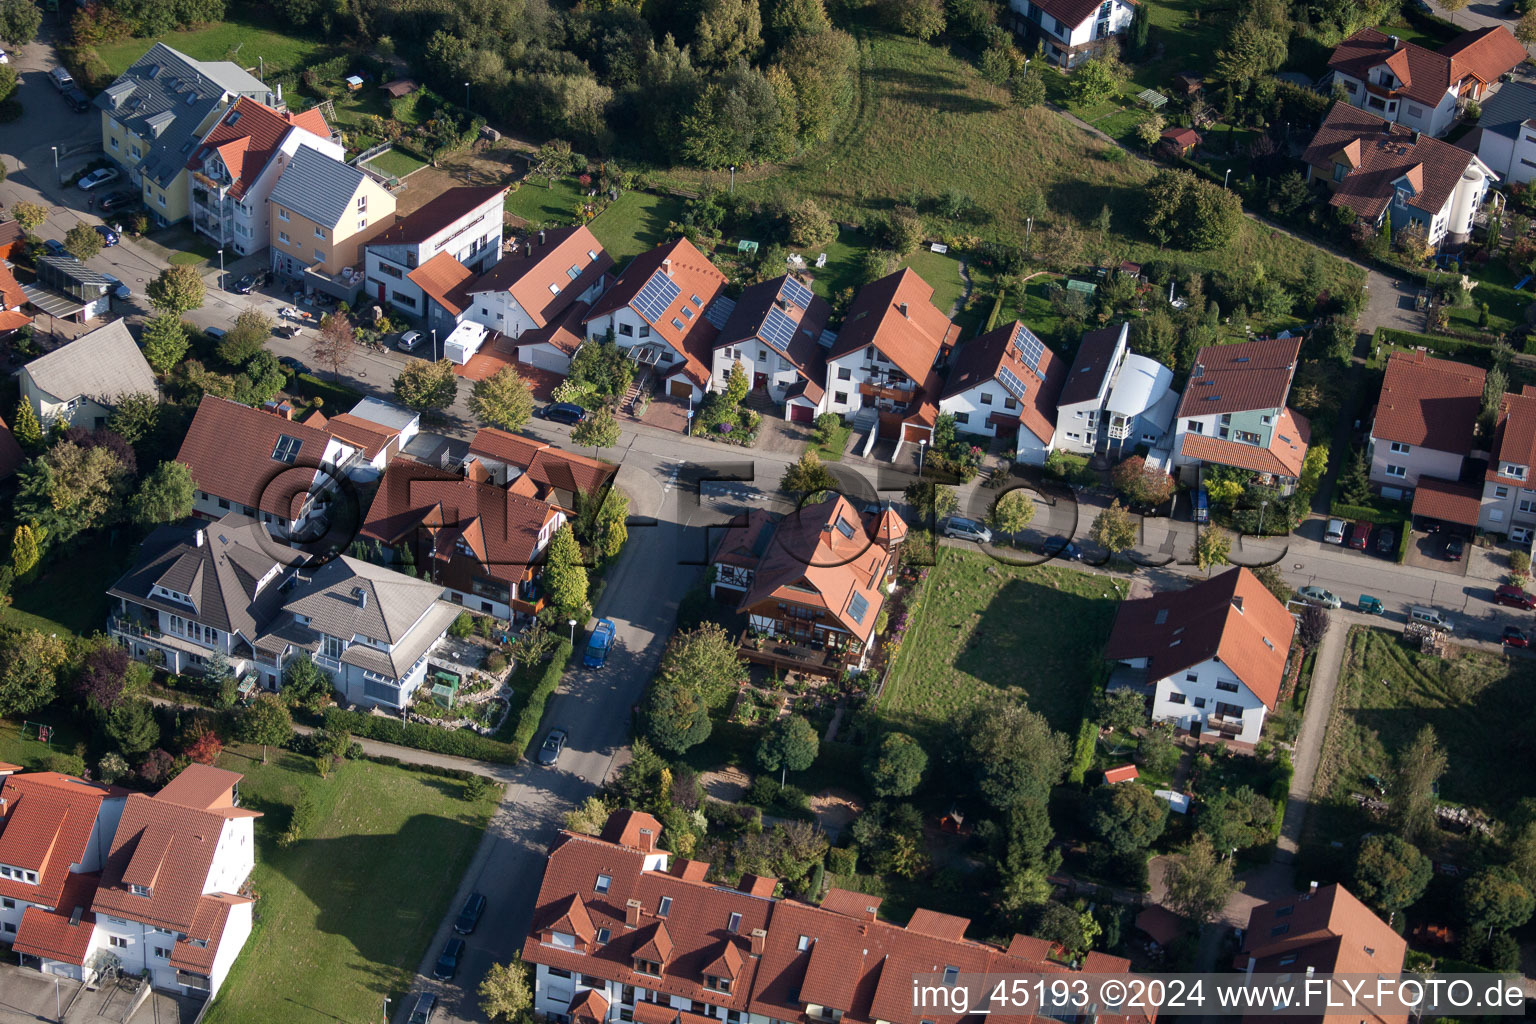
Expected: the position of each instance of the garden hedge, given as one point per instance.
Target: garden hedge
(1082, 752)
(434, 738)
(533, 711)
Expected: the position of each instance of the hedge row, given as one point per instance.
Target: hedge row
(1082, 752)
(1280, 792)
(1380, 517)
(1437, 343)
(435, 738)
(533, 711)
(1402, 544)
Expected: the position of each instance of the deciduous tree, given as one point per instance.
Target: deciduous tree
(176, 290)
(704, 660)
(505, 994)
(29, 215)
(266, 721)
(565, 577)
(103, 671)
(790, 745)
(598, 431)
(305, 686)
(164, 497)
(1199, 883)
(82, 241)
(1012, 512)
(1127, 817)
(165, 341)
(1411, 787)
(922, 19)
(424, 386)
(1114, 529)
(1390, 874)
(675, 716)
(1010, 751)
(335, 344)
(30, 664)
(1097, 79)
(1212, 547)
(71, 488)
(932, 501)
(1235, 819)
(245, 339)
(503, 400)
(1496, 899)
(808, 478)
(728, 31)
(1141, 483)
(135, 416)
(896, 765)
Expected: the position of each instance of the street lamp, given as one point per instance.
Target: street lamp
(733, 178)
(572, 624)
(386, 1010)
(1262, 506)
(922, 447)
(1029, 229)
(466, 97)
(1226, 178)
(221, 270)
(434, 344)
(55, 165)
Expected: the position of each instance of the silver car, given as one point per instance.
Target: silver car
(965, 529)
(1320, 597)
(409, 340)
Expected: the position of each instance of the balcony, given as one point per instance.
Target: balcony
(799, 654)
(887, 392)
(1119, 428)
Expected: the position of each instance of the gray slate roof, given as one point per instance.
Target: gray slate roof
(165, 95)
(220, 574)
(1507, 109)
(316, 186)
(103, 365)
(385, 414)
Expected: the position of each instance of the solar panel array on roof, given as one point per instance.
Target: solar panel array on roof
(1031, 348)
(778, 330)
(796, 293)
(720, 311)
(287, 449)
(1012, 384)
(858, 608)
(659, 293)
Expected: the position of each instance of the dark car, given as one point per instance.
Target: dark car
(1513, 596)
(470, 915)
(117, 202)
(108, 236)
(287, 331)
(564, 412)
(448, 962)
(55, 247)
(426, 1006)
(290, 363)
(78, 101)
(245, 284)
(1454, 548)
(1386, 541)
(549, 753)
(1515, 637)
(1061, 547)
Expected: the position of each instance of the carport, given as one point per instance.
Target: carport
(1447, 503)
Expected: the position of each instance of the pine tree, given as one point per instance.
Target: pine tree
(28, 431)
(26, 548)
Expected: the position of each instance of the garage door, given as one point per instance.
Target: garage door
(801, 413)
(546, 357)
(680, 389)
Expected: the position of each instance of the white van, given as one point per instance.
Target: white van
(1430, 617)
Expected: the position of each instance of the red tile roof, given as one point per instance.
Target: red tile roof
(1233, 617)
(229, 450)
(1284, 457)
(696, 278)
(1429, 403)
(246, 137)
(45, 826)
(367, 435)
(1448, 501)
(1328, 932)
(446, 280)
(1183, 138)
(552, 469)
(1242, 377)
(981, 359)
(1424, 74)
(438, 215)
(1379, 155)
(913, 339)
(11, 295)
(1514, 437)
(1125, 773)
(1485, 53)
(53, 933)
(203, 787)
(533, 268)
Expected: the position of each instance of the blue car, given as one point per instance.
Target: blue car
(108, 236)
(598, 644)
(55, 247)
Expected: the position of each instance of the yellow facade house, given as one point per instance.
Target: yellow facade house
(322, 212)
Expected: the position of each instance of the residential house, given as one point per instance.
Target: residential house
(1505, 137)
(1426, 421)
(1421, 89)
(80, 383)
(1233, 413)
(535, 469)
(263, 465)
(12, 237)
(811, 583)
(174, 903)
(1212, 656)
(1071, 31)
(667, 308)
(1384, 172)
(201, 587)
(153, 115)
(881, 369)
(322, 213)
(622, 931)
(55, 831)
(1324, 931)
(539, 294)
(237, 164)
(1507, 502)
(65, 288)
(478, 543)
(1006, 384)
(442, 284)
(377, 429)
(1113, 397)
(464, 223)
(12, 298)
(778, 333)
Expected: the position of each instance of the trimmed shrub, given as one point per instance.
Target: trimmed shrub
(533, 711)
(454, 742)
(1082, 752)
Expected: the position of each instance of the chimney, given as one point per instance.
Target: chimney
(903, 307)
(1414, 136)
(631, 913)
(647, 841)
(666, 265)
(1237, 601)
(361, 595)
(541, 237)
(759, 940)
(285, 410)
(201, 536)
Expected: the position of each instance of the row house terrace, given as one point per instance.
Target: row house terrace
(778, 334)
(622, 933)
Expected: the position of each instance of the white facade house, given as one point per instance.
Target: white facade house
(1212, 657)
(1006, 383)
(1426, 421)
(777, 332)
(1080, 407)
(1071, 30)
(79, 384)
(464, 222)
(1233, 413)
(1508, 502)
(1506, 132)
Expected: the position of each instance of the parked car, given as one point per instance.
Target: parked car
(108, 236)
(1059, 546)
(55, 247)
(554, 743)
(290, 363)
(564, 412)
(216, 333)
(1431, 617)
(470, 915)
(1320, 597)
(1455, 547)
(409, 340)
(1335, 532)
(1386, 541)
(598, 644)
(1514, 637)
(100, 176)
(5, 58)
(118, 289)
(1360, 534)
(965, 529)
(448, 961)
(244, 285)
(426, 1006)
(1513, 596)
(78, 101)
(287, 330)
(1202, 509)
(61, 79)
(118, 201)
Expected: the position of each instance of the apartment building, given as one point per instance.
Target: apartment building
(464, 223)
(322, 213)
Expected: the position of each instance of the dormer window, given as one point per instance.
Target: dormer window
(714, 984)
(664, 907)
(1514, 470)
(603, 883)
(139, 890)
(650, 967)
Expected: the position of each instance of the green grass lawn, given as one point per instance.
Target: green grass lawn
(237, 39)
(1388, 692)
(637, 222)
(396, 163)
(69, 597)
(545, 207)
(985, 629)
(30, 753)
(306, 387)
(346, 913)
(833, 450)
